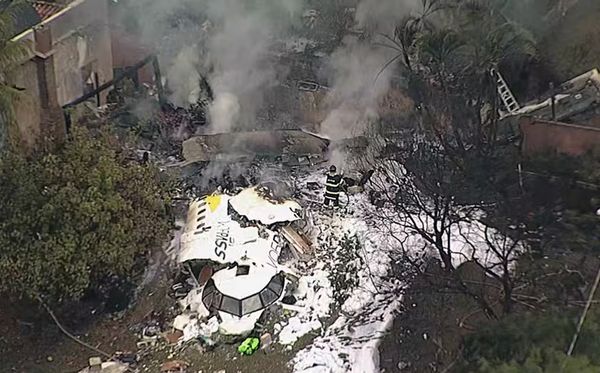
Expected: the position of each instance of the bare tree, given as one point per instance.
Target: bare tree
(430, 214)
(497, 255)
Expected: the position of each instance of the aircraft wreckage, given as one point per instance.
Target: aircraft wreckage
(234, 244)
(292, 147)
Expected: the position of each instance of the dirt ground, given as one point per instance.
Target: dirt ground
(429, 329)
(41, 347)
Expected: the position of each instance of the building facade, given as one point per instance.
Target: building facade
(70, 55)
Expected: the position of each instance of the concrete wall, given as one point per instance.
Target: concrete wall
(28, 109)
(540, 136)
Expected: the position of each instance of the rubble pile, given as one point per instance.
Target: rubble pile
(182, 122)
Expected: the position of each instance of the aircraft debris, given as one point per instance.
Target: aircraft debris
(245, 276)
(287, 146)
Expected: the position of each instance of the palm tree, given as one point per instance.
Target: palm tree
(403, 42)
(453, 45)
(11, 53)
(407, 33)
(491, 40)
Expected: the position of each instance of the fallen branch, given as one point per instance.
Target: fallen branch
(74, 338)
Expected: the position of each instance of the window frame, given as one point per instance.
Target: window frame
(217, 298)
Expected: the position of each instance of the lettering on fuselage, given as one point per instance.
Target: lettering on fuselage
(223, 240)
(274, 250)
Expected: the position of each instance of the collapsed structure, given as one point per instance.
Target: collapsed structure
(566, 120)
(232, 245)
(292, 147)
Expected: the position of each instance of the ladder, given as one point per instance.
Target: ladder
(508, 99)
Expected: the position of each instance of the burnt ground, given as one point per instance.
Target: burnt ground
(31, 342)
(39, 346)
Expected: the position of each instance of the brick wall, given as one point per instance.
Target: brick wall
(541, 135)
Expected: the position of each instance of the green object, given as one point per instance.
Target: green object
(249, 346)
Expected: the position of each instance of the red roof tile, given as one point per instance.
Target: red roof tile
(46, 9)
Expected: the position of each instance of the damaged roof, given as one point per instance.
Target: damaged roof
(240, 146)
(572, 98)
(46, 9)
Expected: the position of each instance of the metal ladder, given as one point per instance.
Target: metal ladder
(508, 99)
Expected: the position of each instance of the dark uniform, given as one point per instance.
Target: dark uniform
(333, 187)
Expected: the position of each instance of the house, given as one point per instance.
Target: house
(70, 55)
(541, 135)
(567, 121)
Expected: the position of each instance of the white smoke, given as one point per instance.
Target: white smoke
(382, 15)
(224, 112)
(356, 88)
(357, 80)
(183, 74)
(238, 52)
(226, 41)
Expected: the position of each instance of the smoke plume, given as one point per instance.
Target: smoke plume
(226, 41)
(355, 73)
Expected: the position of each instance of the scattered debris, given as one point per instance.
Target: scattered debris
(245, 276)
(106, 367)
(174, 366)
(265, 342)
(173, 337)
(246, 146)
(355, 190)
(313, 185)
(301, 249)
(95, 362)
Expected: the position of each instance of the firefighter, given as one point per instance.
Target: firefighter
(333, 187)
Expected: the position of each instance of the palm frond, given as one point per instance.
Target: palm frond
(12, 53)
(441, 45)
(387, 64)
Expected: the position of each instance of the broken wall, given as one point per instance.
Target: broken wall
(82, 46)
(65, 50)
(127, 51)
